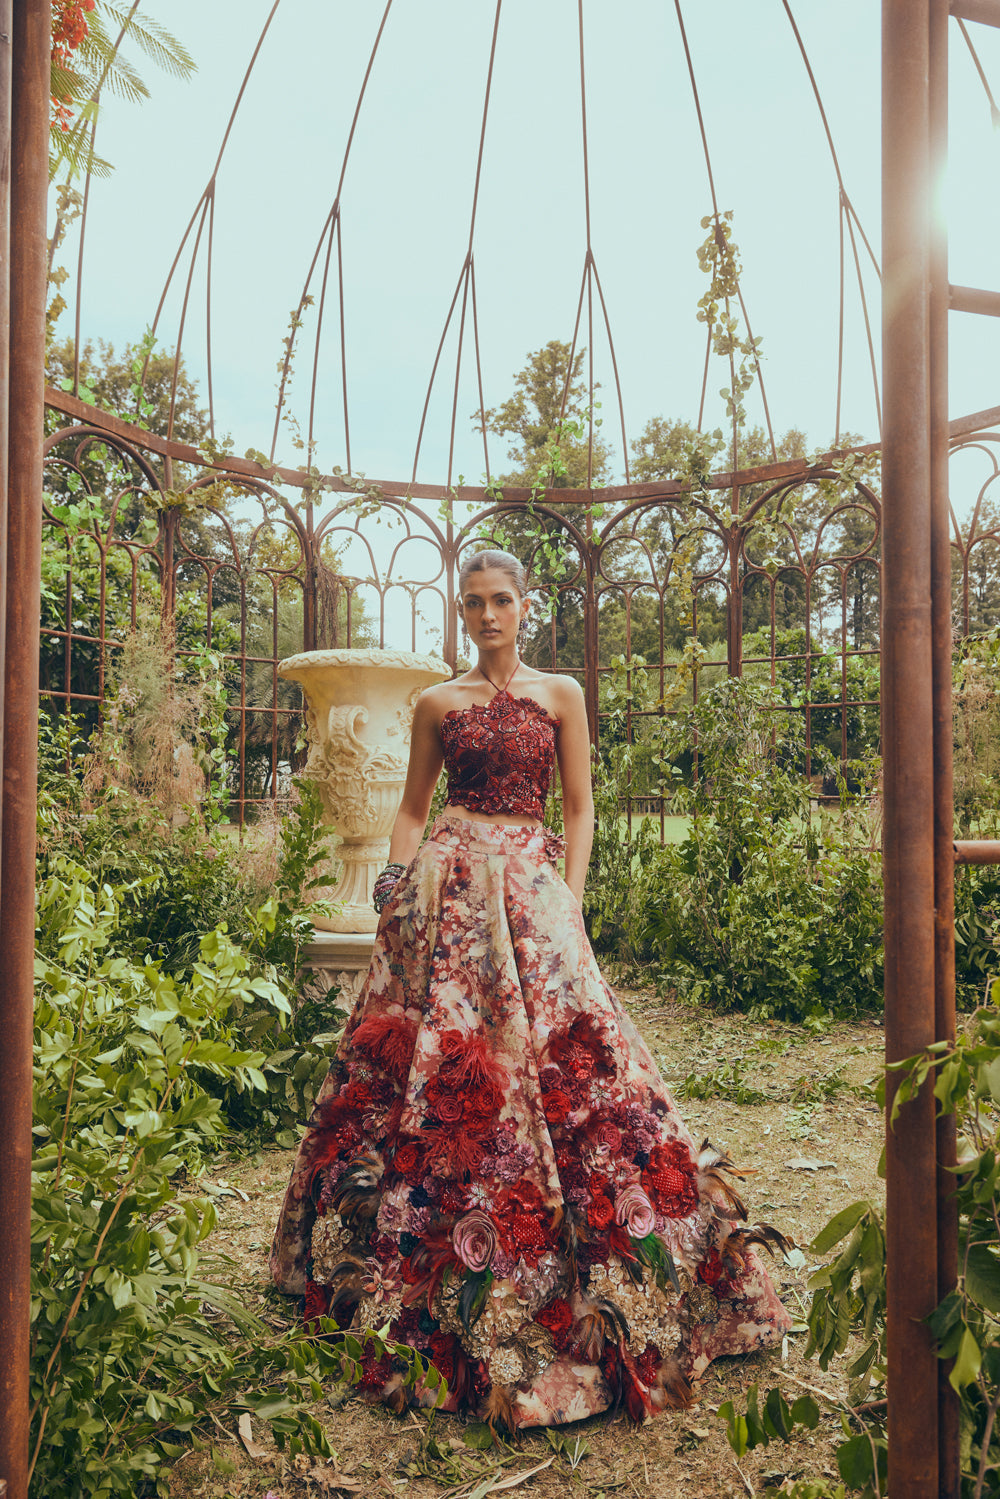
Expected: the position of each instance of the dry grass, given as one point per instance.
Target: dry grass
(680, 1455)
(145, 743)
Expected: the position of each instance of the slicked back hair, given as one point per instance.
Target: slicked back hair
(502, 562)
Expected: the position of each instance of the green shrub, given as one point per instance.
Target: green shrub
(758, 909)
(137, 1340)
(847, 1316)
(174, 884)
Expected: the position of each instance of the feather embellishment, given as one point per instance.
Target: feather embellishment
(388, 1040)
(347, 1285)
(598, 1322)
(734, 1247)
(499, 1413)
(671, 1389)
(394, 1395)
(356, 1197)
(433, 1258)
(471, 1063)
(713, 1185)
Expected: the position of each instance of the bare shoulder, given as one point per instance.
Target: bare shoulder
(434, 702)
(566, 696)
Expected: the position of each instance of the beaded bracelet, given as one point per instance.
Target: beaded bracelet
(385, 884)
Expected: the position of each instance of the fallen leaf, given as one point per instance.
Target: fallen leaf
(809, 1163)
(253, 1449)
(226, 1189)
(518, 1478)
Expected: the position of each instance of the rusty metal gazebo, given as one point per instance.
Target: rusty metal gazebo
(919, 852)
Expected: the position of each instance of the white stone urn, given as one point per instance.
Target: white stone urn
(359, 713)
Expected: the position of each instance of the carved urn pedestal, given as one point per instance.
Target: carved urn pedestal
(359, 713)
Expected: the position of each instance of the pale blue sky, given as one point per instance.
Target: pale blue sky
(408, 190)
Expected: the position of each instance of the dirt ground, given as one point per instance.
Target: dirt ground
(812, 1145)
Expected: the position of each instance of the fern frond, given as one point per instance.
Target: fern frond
(155, 41)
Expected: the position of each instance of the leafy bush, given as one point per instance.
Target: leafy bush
(757, 909)
(174, 884)
(976, 699)
(977, 930)
(966, 1080)
(137, 1341)
(848, 1310)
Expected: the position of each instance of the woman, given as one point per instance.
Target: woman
(494, 1168)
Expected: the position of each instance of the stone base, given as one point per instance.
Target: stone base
(341, 958)
(349, 921)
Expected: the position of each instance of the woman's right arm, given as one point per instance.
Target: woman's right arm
(426, 759)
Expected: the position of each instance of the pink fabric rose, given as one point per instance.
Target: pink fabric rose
(634, 1211)
(475, 1239)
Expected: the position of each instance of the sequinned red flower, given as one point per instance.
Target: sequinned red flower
(557, 1106)
(557, 1317)
(317, 1302)
(528, 1232)
(408, 1161)
(711, 1270)
(600, 1212)
(669, 1179)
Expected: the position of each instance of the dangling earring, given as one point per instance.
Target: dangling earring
(467, 651)
(522, 635)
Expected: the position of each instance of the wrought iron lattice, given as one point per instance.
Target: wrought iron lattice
(773, 572)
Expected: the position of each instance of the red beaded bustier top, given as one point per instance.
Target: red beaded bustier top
(499, 755)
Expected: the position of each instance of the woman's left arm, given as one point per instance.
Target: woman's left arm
(573, 751)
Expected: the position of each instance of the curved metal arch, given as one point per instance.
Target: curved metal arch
(99, 434)
(331, 225)
(205, 201)
(402, 506)
(506, 507)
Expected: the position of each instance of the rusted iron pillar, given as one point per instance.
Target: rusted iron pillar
(591, 647)
(31, 40)
(734, 607)
(6, 18)
(908, 742)
(949, 1457)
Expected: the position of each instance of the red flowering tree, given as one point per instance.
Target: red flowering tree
(91, 42)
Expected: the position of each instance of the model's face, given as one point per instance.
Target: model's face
(492, 608)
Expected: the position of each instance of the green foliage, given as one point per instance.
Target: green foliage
(572, 1448)
(294, 1070)
(977, 929)
(966, 1082)
(719, 258)
(849, 1296)
(816, 678)
(136, 384)
(728, 1082)
(758, 1428)
(848, 1302)
(758, 909)
(173, 884)
(137, 1342)
(99, 64)
(619, 850)
(976, 699)
(547, 415)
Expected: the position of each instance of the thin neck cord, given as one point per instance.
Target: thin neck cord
(499, 690)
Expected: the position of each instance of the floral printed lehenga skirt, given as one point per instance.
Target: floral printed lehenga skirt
(495, 1169)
